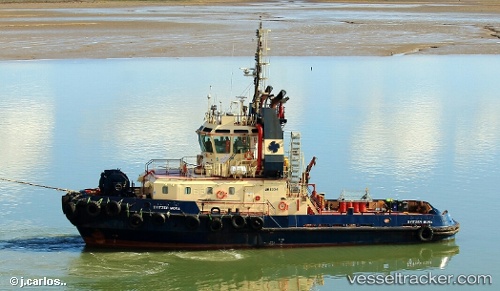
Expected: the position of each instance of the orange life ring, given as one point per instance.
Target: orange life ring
(282, 206)
(221, 194)
(249, 155)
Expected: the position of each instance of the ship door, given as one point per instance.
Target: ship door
(249, 194)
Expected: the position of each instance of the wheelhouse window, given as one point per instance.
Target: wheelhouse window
(210, 190)
(205, 143)
(241, 144)
(164, 189)
(187, 190)
(231, 191)
(222, 144)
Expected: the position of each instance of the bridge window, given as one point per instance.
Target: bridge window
(187, 190)
(210, 190)
(205, 143)
(164, 189)
(241, 144)
(222, 144)
(231, 191)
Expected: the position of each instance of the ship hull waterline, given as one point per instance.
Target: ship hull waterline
(264, 238)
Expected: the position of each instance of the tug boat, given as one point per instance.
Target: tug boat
(248, 187)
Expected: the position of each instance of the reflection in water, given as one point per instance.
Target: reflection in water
(477, 139)
(26, 131)
(403, 138)
(27, 123)
(277, 269)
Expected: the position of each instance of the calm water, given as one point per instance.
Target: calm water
(424, 127)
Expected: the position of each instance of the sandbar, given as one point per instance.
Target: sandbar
(127, 29)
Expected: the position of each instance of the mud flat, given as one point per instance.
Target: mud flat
(122, 29)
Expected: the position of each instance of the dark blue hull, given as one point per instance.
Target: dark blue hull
(297, 237)
(183, 226)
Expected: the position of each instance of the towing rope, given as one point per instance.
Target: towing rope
(37, 185)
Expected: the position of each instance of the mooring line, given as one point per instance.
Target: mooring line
(38, 185)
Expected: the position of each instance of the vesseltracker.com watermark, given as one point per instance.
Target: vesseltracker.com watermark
(420, 279)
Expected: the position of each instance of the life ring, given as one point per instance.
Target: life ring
(192, 222)
(136, 220)
(425, 233)
(215, 224)
(93, 208)
(238, 221)
(158, 218)
(249, 155)
(283, 206)
(257, 223)
(113, 208)
(257, 198)
(221, 194)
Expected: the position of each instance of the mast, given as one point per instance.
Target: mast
(259, 77)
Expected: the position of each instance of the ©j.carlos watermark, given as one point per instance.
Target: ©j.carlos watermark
(420, 279)
(34, 282)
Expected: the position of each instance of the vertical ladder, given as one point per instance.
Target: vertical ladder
(295, 162)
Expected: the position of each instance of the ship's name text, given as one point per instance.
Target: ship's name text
(419, 221)
(166, 207)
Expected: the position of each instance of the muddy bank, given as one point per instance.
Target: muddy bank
(111, 29)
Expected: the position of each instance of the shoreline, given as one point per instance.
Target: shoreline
(124, 29)
(470, 5)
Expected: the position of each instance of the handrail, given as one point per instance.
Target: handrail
(170, 164)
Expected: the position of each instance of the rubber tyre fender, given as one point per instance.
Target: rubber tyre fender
(158, 218)
(70, 210)
(425, 233)
(238, 221)
(216, 224)
(93, 209)
(136, 220)
(113, 208)
(257, 223)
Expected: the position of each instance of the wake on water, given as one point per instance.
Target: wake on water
(44, 244)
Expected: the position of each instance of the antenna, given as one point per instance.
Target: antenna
(209, 96)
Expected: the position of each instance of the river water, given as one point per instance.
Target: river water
(423, 127)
